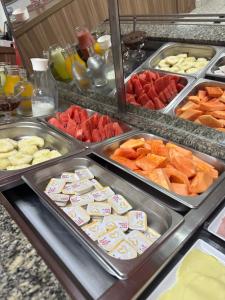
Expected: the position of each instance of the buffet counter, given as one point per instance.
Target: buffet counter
(51, 232)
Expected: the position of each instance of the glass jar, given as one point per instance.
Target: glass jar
(12, 78)
(57, 64)
(44, 101)
(25, 107)
(2, 76)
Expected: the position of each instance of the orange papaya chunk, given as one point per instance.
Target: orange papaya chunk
(126, 152)
(179, 188)
(201, 182)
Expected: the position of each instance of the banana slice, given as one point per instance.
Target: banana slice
(12, 168)
(202, 59)
(190, 58)
(20, 159)
(182, 55)
(191, 70)
(171, 60)
(7, 154)
(43, 152)
(5, 146)
(54, 154)
(13, 142)
(32, 140)
(175, 69)
(28, 149)
(163, 63)
(4, 163)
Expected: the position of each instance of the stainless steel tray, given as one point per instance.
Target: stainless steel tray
(53, 140)
(185, 79)
(199, 84)
(220, 61)
(162, 219)
(128, 129)
(192, 202)
(207, 51)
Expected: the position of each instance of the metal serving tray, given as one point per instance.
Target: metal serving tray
(208, 51)
(162, 219)
(199, 84)
(185, 79)
(106, 150)
(53, 140)
(216, 64)
(128, 129)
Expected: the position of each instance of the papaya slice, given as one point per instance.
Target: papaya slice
(210, 121)
(191, 114)
(214, 91)
(202, 94)
(133, 143)
(176, 176)
(128, 163)
(157, 160)
(141, 152)
(203, 166)
(145, 164)
(159, 176)
(211, 106)
(126, 152)
(189, 105)
(182, 163)
(218, 114)
(179, 188)
(194, 99)
(201, 182)
(183, 151)
(158, 147)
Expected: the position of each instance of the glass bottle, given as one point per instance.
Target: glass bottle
(2, 77)
(57, 63)
(43, 99)
(76, 67)
(25, 107)
(12, 78)
(96, 66)
(85, 40)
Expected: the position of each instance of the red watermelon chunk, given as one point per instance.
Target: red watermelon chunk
(143, 99)
(96, 137)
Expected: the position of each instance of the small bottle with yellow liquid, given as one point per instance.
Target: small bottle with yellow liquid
(11, 79)
(76, 67)
(25, 107)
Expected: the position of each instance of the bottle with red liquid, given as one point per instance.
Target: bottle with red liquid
(85, 41)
